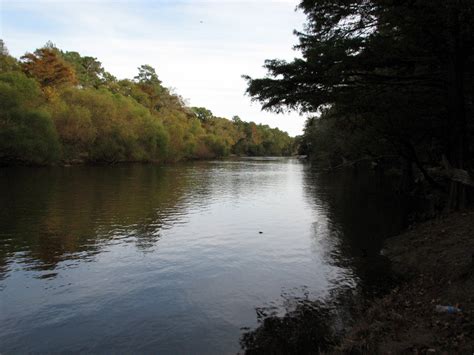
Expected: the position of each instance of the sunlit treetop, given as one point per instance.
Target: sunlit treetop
(48, 68)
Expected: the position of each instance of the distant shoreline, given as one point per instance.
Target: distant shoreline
(78, 162)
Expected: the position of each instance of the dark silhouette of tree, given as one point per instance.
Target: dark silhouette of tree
(396, 73)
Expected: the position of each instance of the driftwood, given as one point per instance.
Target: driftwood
(457, 175)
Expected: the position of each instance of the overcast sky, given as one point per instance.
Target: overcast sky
(199, 48)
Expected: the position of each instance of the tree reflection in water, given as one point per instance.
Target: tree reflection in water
(362, 210)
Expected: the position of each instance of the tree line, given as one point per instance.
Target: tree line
(59, 106)
(384, 80)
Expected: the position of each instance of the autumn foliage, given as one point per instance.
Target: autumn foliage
(48, 68)
(59, 106)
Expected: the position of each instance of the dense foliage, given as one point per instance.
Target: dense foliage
(60, 106)
(384, 78)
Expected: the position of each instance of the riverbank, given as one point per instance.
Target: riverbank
(436, 261)
(83, 162)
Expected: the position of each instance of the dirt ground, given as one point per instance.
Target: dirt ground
(436, 261)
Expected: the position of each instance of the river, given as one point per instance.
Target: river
(176, 259)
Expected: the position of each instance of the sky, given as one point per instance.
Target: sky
(199, 48)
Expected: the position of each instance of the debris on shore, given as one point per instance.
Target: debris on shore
(429, 309)
(436, 261)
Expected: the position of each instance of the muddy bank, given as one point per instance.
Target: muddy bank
(436, 262)
(432, 263)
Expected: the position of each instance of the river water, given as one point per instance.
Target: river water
(176, 259)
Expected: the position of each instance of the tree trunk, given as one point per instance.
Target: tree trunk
(408, 181)
(458, 144)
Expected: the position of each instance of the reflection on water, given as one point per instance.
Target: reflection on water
(362, 209)
(171, 259)
(359, 209)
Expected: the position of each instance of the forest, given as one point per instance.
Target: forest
(60, 107)
(386, 81)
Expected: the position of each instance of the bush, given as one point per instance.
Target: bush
(27, 133)
(109, 127)
(28, 137)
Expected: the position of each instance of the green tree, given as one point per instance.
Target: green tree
(89, 70)
(27, 133)
(7, 62)
(202, 113)
(147, 75)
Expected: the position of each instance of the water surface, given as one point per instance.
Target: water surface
(175, 259)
